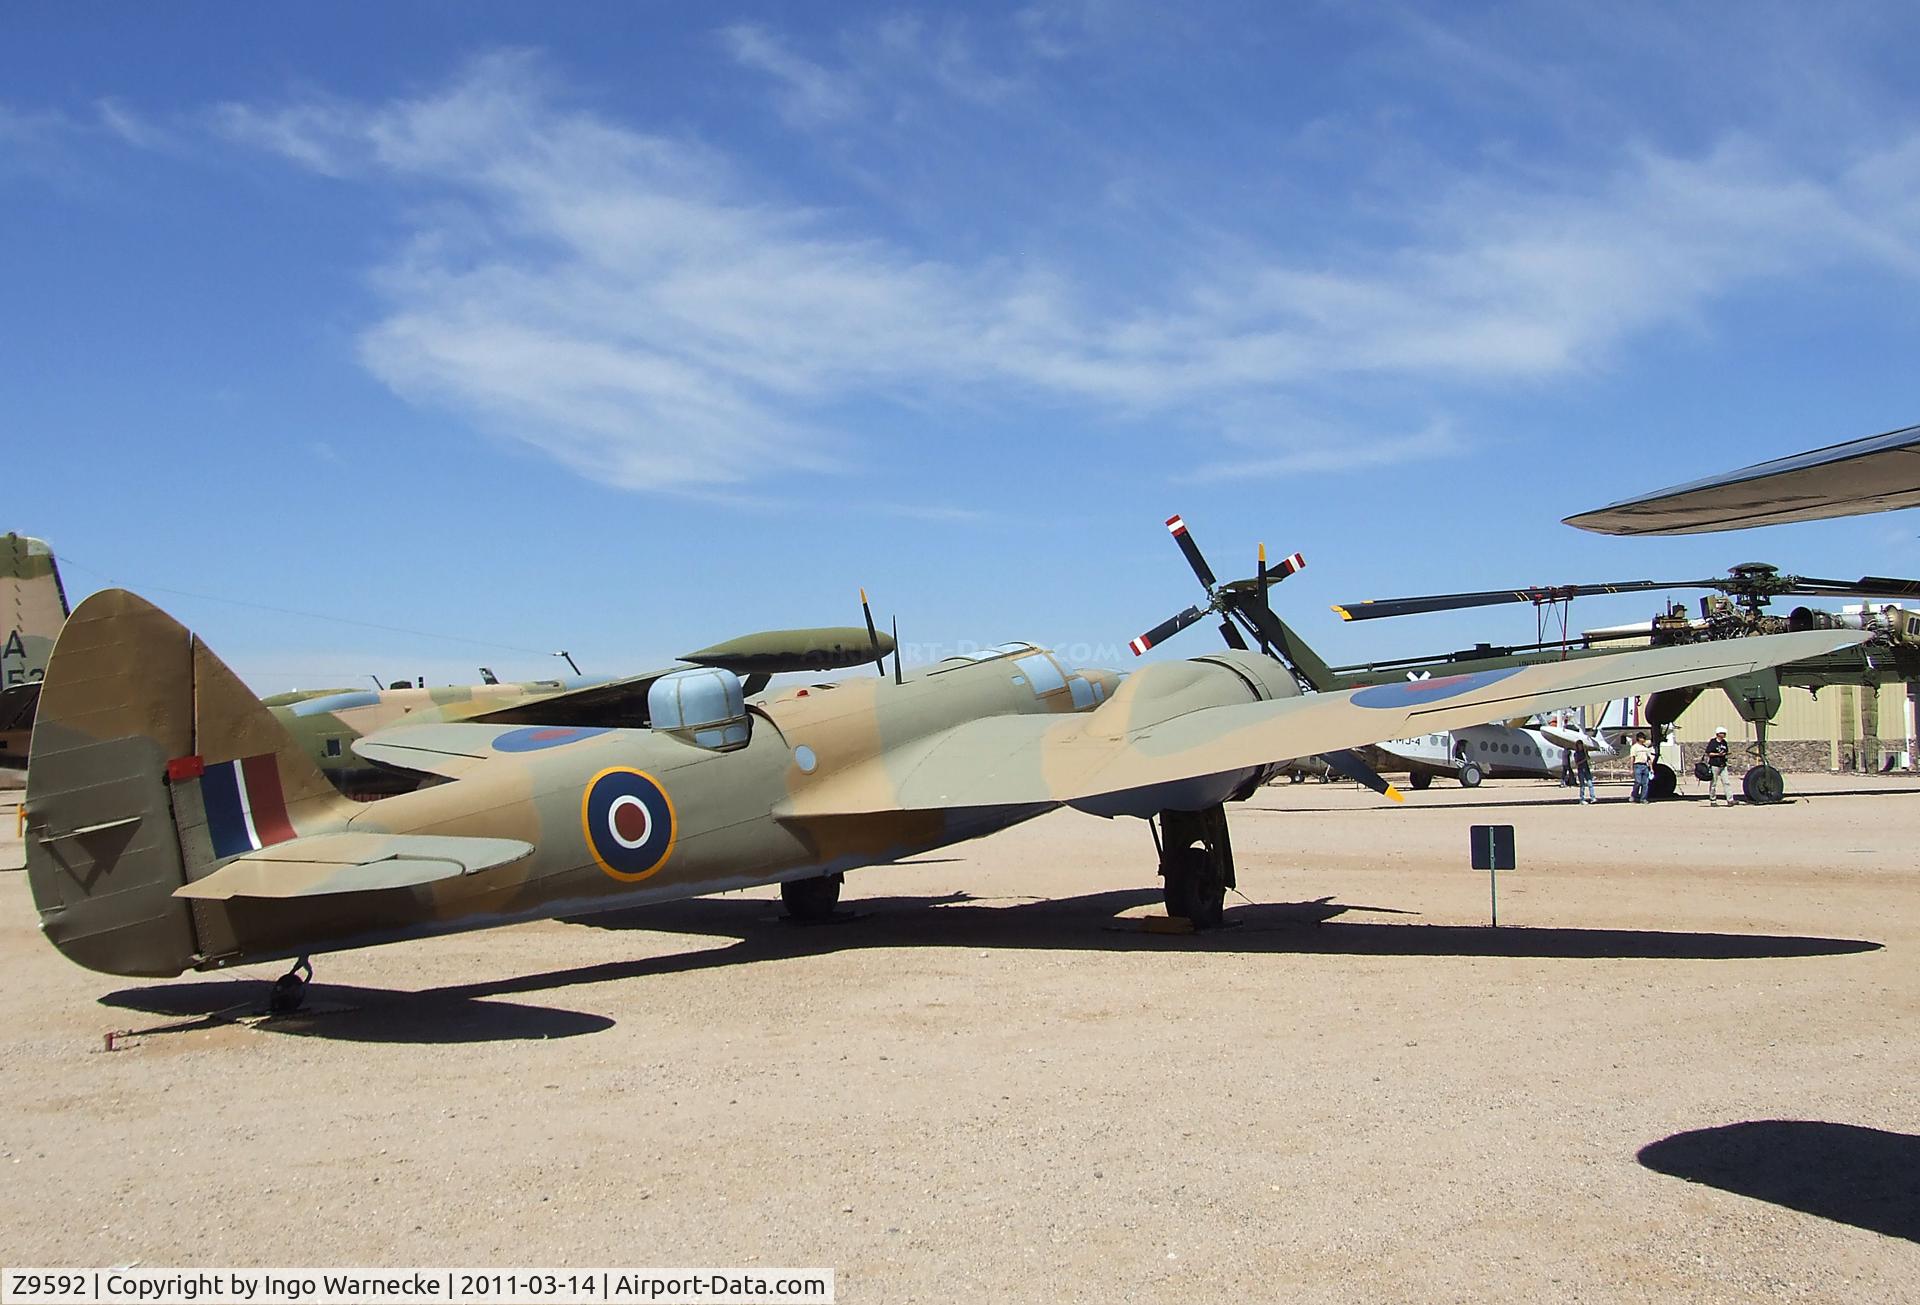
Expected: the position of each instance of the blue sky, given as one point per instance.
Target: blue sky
(629, 327)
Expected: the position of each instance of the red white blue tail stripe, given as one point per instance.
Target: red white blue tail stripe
(246, 809)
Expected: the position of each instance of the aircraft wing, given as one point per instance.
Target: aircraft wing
(1878, 474)
(1028, 760)
(447, 750)
(615, 703)
(322, 864)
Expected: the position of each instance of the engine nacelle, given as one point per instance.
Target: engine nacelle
(1165, 690)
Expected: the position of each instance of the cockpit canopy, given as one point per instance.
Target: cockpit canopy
(705, 706)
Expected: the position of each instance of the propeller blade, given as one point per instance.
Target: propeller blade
(1374, 608)
(1178, 529)
(896, 649)
(1345, 761)
(873, 635)
(1231, 633)
(1164, 631)
(1261, 577)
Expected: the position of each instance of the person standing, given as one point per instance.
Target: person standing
(1716, 759)
(1581, 762)
(1642, 756)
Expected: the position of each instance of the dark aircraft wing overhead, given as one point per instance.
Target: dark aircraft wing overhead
(1876, 474)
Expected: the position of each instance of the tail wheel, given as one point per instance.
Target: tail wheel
(1420, 779)
(1470, 775)
(1763, 786)
(811, 901)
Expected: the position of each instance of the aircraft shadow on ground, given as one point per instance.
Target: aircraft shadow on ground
(757, 931)
(1865, 1177)
(351, 1014)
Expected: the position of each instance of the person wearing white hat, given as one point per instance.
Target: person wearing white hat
(1716, 761)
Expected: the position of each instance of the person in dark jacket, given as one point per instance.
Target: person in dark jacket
(1716, 759)
(1581, 761)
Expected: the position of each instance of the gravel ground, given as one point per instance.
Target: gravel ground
(996, 1084)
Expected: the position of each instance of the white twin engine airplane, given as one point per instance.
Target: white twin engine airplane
(1530, 751)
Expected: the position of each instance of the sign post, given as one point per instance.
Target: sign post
(1491, 847)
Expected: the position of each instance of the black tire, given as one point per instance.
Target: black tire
(811, 901)
(1763, 786)
(1470, 775)
(1296, 777)
(1420, 779)
(1663, 785)
(1194, 891)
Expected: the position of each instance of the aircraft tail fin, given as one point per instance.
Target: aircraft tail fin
(1296, 652)
(152, 764)
(33, 604)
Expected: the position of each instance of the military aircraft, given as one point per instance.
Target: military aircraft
(1878, 474)
(1888, 650)
(33, 603)
(1498, 751)
(173, 824)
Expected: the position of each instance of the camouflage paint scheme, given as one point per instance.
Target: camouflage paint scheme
(33, 605)
(325, 723)
(138, 718)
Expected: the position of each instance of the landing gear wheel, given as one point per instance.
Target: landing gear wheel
(1296, 777)
(289, 992)
(1195, 890)
(1420, 779)
(1470, 775)
(811, 901)
(1763, 786)
(1663, 785)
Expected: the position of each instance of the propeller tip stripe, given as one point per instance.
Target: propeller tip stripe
(1343, 613)
(1396, 794)
(1176, 526)
(1140, 645)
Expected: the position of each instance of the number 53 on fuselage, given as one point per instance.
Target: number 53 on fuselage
(173, 825)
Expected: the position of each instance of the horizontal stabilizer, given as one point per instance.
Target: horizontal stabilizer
(324, 864)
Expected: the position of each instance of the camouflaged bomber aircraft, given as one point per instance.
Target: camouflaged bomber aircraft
(172, 824)
(33, 604)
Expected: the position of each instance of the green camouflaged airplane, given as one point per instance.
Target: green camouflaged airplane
(173, 824)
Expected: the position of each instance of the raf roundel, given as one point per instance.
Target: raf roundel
(628, 821)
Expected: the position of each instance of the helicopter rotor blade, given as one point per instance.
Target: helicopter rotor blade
(1375, 608)
(1345, 761)
(1164, 631)
(1870, 586)
(1178, 529)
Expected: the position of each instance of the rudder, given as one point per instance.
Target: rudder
(143, 740)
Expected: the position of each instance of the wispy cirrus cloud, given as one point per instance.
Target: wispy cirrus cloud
(637, 306)
(809, 94)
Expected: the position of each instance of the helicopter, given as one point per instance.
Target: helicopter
(1737, 608)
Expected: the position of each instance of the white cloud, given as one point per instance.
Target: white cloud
(631, 305)
(810, 95)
